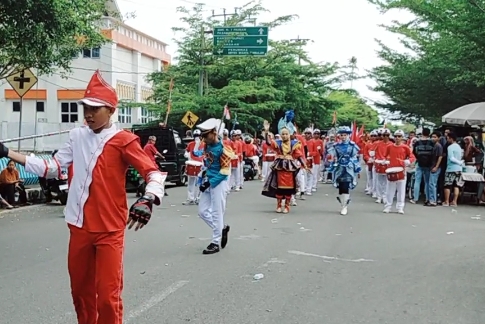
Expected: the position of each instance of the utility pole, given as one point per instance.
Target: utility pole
(203, 75)
(225, 14)
(300, 42)
(203, 50)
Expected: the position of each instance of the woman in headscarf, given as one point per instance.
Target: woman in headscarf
(281, 182)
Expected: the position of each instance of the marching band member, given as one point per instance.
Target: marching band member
(317, 159)
(268, 157)
(214, 184)
(225, 138)
(251, 152)
(303, 169)
(399, 156)
(240, 154)
(310, 158)
(346, 168)
(235, 180)
(96, 210)
(369, 161)
(193, 166)
(328, 159)
(281, 182)
(381, 166)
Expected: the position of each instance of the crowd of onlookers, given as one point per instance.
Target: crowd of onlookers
(440, 160)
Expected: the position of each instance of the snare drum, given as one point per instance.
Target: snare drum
(395, 174)
(269, 157)
(309, 162)
(380, 168)
(192, 168)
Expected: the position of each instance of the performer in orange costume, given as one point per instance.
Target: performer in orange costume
(236, 163)
(380, 165)
(281, 182)
(96, 210)
(399, 156)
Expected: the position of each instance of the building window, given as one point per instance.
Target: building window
(69, 112)
(146, 115)
(91, 52)
(124, 115)
(16, 106)
(40, 106)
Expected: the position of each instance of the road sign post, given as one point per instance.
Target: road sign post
(240, 41)
(21, 83)
(190, 119)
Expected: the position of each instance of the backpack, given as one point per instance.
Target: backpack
(424, 153)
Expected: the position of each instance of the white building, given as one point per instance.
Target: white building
(51, 104)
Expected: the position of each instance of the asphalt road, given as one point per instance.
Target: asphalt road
(425, 267)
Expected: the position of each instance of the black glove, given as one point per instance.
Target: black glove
(203, 187)
(141, 211)
(3, 151)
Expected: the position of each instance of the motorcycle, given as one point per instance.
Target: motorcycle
(249, 170)
(55, 189)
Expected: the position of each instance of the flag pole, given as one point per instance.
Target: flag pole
(169, 104)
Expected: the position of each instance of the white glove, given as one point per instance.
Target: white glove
(386, 162)
(462, 162)
(407, 163)
(319, 148)
(372, 160)
(186, 154)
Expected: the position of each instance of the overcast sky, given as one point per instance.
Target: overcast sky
(339, 29)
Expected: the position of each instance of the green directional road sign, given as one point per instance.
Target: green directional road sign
(240, 41)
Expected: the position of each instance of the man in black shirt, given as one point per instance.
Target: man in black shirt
(435, 169)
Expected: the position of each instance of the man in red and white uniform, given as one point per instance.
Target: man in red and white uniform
(96, 210)
(236, 164)
(380, 164)
(269, 155)
(193, 161)
(369, 162)
(317, 159)
(398, 156)
(310, 158)
(251, 152)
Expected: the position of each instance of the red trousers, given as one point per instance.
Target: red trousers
(95, 263)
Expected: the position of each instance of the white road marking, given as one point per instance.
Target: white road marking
(328, 258)
(155, 300)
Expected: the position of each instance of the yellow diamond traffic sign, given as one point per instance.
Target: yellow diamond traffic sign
(22, 81)
(190, 119)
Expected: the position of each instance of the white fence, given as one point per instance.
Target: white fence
(41, 144)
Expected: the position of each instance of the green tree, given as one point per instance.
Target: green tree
(44, 34)
(256, 88)
(445, 64)
(352, 108)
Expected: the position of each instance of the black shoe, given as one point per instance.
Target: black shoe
(211, 249)
(225, 235)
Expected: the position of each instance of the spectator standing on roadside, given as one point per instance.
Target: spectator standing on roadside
(423, 150)
(435, 170)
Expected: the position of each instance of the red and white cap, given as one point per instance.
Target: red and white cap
(99, 93)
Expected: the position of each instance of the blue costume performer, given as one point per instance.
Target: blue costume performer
(345, 168)
(213, 181)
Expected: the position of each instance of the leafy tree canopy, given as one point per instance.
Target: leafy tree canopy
(255, 88)
(447, 66)
(352, 108)
(44, 34)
